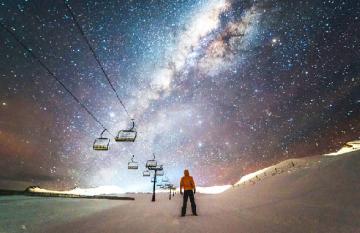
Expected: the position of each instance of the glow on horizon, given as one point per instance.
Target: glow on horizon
(113, 189)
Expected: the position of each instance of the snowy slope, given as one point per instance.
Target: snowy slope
(321, 195)
(294, 164)
(284, 166)
(102, 190)
(348, 147)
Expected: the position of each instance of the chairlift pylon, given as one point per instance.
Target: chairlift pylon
(101, 143)
(151, 164)
(132, 165)
(127, 135)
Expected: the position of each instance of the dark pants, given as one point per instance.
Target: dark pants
(187, 194)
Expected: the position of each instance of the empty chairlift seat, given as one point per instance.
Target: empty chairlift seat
(127, 135)
(165, 179)
(151, 164)
(160, 172)
(146, 173)
(101, 143)
(132, 165)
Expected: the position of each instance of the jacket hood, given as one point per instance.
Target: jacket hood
(186, 172)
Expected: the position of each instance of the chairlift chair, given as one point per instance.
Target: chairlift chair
(165, 179)
(151, 164)
(146, 173)
(127, 135)
(132, 165)
(101, 143)
(159, 172)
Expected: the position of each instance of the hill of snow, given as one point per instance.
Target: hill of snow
(348, 147)
(289, 165)
(319, 194)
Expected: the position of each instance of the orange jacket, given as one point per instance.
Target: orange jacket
(187, 182)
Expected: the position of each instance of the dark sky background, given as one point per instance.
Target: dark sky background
(222, 87)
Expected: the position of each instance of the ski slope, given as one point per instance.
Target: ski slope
(322, 195)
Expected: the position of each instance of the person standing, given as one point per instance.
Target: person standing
(188, 185)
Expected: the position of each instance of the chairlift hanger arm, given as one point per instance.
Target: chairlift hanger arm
(133, 124)
(101, 135)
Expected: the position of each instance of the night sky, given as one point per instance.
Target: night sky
(220, 87)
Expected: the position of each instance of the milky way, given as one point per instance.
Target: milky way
(220, 87)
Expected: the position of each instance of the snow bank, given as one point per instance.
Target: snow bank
(272, 170)
(213, 189)
(293, 164)
(101, 190)
(348, 147)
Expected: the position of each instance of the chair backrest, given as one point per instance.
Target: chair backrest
(151, 164)
(160, 173)
(146, 173)
(101, 144)
(133, 165)
(126, 136)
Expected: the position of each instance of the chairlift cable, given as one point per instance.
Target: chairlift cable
(22, 44)
(95, 56)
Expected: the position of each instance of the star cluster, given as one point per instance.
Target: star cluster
(222, 87)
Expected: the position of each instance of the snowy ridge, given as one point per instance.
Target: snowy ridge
(293, 164)
(348, 147)
(272, 170)
(101, 190)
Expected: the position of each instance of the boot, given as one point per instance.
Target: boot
(193, 208)
(183, 212)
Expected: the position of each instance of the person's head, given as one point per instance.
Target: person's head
(186, 172)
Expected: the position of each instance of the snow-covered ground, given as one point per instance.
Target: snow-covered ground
(102, 190)
(317, 194)
(348, 147)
